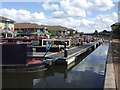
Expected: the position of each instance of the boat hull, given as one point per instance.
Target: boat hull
(24, 68)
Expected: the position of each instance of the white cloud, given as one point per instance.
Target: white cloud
(108, 18)
(46, 6)
(77, 14)
(71, 10)
(107, 21)
(81, 8)
(66, 4)
(89, 13)
(86, 22)
(58, 14)
(103, 5)
(72, 22)
(53, 21)
(38, 16)
(115, 15)
(84, 4)
(104, 21)
(22, 15)
(100, 22)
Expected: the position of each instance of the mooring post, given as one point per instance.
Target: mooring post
(65, 50)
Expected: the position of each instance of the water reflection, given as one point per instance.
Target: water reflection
(95, 61)
(20, 80)
(89, 73)
(85, 79)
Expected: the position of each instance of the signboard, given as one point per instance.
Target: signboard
(47, 46)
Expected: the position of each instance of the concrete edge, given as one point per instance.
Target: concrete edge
(109, 75)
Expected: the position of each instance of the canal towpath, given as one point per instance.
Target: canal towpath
(112, 78)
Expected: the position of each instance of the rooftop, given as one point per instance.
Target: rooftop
(28, 25)
(6, 19)
(58, 28)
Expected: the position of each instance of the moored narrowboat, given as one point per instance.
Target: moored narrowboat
(14, 58)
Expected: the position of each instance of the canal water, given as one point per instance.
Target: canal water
(87, 73)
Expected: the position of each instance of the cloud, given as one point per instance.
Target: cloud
(58, 14)
(84, 4)
(104, 21)
(47, 6)
(103, 5)
(86, 22)
(108, 18)
(115, 15)
(72, 22)
(53, 21)
(82, 8)
(72, 10)
(22, 15)
(38, 16)
(100, 22)
(77, 14)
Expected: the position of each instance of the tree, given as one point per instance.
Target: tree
(52, 32)
(96, 33)
(105, 31)
(116, 32)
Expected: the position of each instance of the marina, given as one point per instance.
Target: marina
(88, 69)
(69, 55)
(40, 62)
(89, 73)
(59, 45)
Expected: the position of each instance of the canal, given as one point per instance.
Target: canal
(87, 73)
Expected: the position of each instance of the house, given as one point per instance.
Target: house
(60, 30)
(6, 25)
(28, 29)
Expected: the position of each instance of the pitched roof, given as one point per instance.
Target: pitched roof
(34, 25)
(58, 28)
(6, 19)
(28, 25)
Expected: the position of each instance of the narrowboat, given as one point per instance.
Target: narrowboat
(14, 58)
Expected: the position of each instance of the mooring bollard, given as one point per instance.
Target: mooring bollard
(65, 49)
(65, 52)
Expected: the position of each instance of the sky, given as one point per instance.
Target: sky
(81, 15)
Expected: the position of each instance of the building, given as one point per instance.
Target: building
(6, 25)
(60, 30)
(115, 25)
(30, 29)
(115, 30)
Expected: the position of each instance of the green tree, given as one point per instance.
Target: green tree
(96, 33)
(52, 32)
(116, 32)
